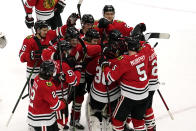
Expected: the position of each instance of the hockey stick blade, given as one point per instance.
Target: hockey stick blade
(157, 36)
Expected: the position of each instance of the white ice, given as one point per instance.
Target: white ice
(176, 56)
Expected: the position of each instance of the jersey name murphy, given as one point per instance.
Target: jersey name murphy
(137, 60)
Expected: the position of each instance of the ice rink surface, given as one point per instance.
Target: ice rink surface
(176, 56)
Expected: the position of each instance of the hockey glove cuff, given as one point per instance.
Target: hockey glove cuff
(29, 21)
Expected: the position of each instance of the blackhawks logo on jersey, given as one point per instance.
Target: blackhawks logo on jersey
(120, 57)
(49, 84)
(49, 3)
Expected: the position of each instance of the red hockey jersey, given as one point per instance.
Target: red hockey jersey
(44, 8)
(72, 78)
(115, 25)
(43, 103)
(152, 67)
(98, 88)
(29, 44)
(131, 72)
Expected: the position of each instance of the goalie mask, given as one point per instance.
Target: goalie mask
(3, 40)
(46, 70)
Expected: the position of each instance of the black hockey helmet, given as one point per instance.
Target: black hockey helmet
(64, 45)
(71, 33)
(133, 44)
(40, 24)
(46, 70)
(108, 8)
(115, 35)
(91, 34)
(114, 49)
(88, 18)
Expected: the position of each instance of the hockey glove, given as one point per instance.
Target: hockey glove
(71, 21)
(35, 55)
(103, 23)
(137, 32)
(29, 21)
(59, 7)
(103, 62)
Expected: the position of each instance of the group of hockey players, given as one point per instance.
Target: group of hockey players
(110, 61)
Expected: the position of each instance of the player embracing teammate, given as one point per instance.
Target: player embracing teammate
(106, 58)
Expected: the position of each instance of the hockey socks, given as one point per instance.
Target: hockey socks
(150, 120)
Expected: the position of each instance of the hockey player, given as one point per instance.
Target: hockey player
(92, 37)
(75, 55)
(3, 40)
(99, 94)
(131, 73)
(48, 10)
(43, 101)
(69, 77)
(32, 48)
(108, 23)
(153, 86)
(87, 22)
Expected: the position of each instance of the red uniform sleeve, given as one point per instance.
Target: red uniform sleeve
(72, 77)
(62, 30)
(29, 4)
(117, 70)
(121, 26)
(48, 53)
(91, 66)
(93, 50)
(49, 95)
(24, 53)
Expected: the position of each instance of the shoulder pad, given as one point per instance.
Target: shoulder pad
(29, 37)
(120, 57)
(48, 83)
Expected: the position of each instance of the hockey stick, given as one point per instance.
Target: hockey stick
(170, 114)
(108, 95)
(78, 7)
(61, 72)
(156, 35)
(21, 93)
(26, 14)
